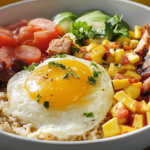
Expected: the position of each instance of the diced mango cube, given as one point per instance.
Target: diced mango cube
(90, 47)
(120, 84)
(133, 91)
(138, 84)
(98, 53)
(114, 102)
(132, 74)
(148, 106)
(133, 44)
(126, 67)
(138, 121)
(112, 51)
(133, 57)
(123, 41)
(148, 117)
(96, 41)
(106, 43)
(119, 96)
(118, 56)
(121, 126)
(132, 34)
(138, 32)
(115, 108)
(127, 129)
(130, 104)
(110, 59)
(112, 70)
(78, 54)
(143, 107)
(111, 128)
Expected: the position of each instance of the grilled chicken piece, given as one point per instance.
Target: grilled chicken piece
(60, 46)
(146, 87)
(143, 46)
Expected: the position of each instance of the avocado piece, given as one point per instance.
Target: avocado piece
(64, 20)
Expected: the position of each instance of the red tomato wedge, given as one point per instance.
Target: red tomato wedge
(133, 80)
(45, 24)
(29, 53)
(7, 54)
(17, 25)
(88, 56)
(119, 76)
(83, 49)
(43, 38)
(7, 38)
(122, 113)
(125, 59)
(127, 48)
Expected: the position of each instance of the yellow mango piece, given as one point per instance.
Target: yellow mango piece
(133, 57)
(133, 44)
(123, 42)
(132, 74)
(119, 96)
(114, 102)
(106, 43)
(126, 67)
(96, 41)
(98, 53)
(139, 84)
(111, 128)
(90, 47)
(126, 129)
(112, 51)
(138, 121)
(143, 107)
(148, 106)
(118, 56)
(121, 126)
(78, 54)
(138, 32)
(112, 70)
(120, 84)
(110, 59)
(148, 117)
(133, 91)
(132, 34)
(130, 104)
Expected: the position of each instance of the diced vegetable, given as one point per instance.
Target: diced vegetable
(133, 44)
(125, 59)
(148, 117)
(126, 129)
(127, 67)
(138, 32)
(132, 74)
(138, 121)
(133, 57)
(90, 47)
(120, 84)
(106, 43)
(119, 96)
(118, 57)
(112, 70)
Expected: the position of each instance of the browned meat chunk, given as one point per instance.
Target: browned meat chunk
(143, 46)
(146, 87)
(60, 46)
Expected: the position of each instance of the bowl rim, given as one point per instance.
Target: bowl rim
(75, 142)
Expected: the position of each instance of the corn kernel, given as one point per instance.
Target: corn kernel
(138, 121)
(120, 84)
(90, 47)
(138, 32)
(148, 117)
(126, 129)
(106, 43)
(118, 57)
(130, 104)
(132, 74)
(112, 70)
(111, 128)
(133, 44)
(133, 58)
(119, 96)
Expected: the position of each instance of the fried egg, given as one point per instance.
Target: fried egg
(58, 100)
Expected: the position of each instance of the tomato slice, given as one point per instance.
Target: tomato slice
(29, 43)
(17, 25)
(7, 54)
(122, 113)
(7, 38)
(88, 56)
(43, 38)
(133, 80)
(29, 53)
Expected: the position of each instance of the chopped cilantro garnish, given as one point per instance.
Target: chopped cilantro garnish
(66, 76)
(74, 75)
(46, 104)
(89, 114)
(59, 37)
(31, 67)
(91, 80)
(105, 64)
(74, 49)
(59, 56)
(83, 54)
(56, 65)
(95, 73)
(38, 98)
(93, 64)
(116, 64)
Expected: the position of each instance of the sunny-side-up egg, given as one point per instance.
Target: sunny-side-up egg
(57, 98)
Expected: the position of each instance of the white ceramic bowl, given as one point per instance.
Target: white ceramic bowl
(134, 14)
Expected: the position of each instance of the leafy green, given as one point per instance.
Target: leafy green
(56, 65)
(96, 73)
(71, 73)
(66, 76)
(59, 56)
(75, 49)
(89, 114)
(31, 67)
(38, 98)
(92, 80)
(46, 104)
(93, 64)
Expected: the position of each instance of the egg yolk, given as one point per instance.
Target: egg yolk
(58, 86)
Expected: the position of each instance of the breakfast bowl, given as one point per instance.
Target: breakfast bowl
(134, 14)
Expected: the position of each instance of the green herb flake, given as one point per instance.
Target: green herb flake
(105, 64)
(59, 56)
(66, 76)
(46, 104)
(118, 65)
(92, 80)
(83, 54)
(56, 65)
(75, 49)
(71, 73)
(59, 37)
(38, 98)
(93, 64)
(89, 114)
(31, 67)
(96, 73)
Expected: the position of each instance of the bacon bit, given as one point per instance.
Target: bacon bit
(127, 48)
(114, 45)
(119, 76)
(125, 60)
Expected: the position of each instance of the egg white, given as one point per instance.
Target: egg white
(61, 124)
